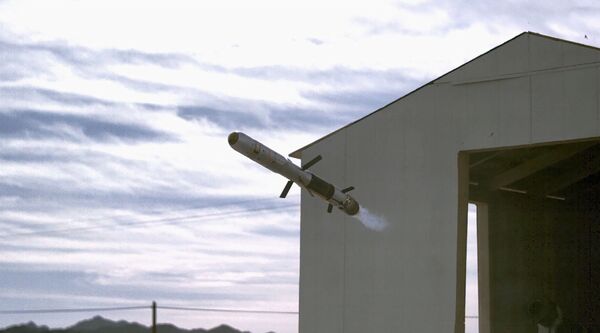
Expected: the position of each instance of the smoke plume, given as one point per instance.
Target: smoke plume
(371, 220)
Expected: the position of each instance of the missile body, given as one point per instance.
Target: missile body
(273, 161)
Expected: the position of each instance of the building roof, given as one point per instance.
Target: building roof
(298, 152)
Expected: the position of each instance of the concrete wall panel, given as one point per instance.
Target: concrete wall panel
(564, 105)
(379, 266)
(322, 244)
(373, 273)
(495, 113)
(507, 59)
(547, 53)
(576, 55)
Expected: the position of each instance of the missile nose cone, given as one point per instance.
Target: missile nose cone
(233, 138)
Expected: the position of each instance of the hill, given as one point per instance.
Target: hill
(99, 324)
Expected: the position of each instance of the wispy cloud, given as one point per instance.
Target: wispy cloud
(40, 124)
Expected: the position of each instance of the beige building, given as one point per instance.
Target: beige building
(515, 131)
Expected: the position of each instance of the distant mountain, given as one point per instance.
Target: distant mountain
(103, 325)
(30, 327)
(99, 324)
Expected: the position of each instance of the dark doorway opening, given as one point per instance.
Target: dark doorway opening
(539, 235)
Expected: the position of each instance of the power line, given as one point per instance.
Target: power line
(178, 219)
(144, 307)
(182, 308)
(116, 308)
(165, 307)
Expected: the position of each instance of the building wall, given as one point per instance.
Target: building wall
(403, 161)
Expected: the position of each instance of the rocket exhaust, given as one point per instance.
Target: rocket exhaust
(275, 162)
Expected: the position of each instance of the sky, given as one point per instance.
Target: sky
(117, 185)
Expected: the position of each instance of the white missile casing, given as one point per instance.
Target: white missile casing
(273, 161)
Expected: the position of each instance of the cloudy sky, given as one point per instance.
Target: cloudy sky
(117, 186)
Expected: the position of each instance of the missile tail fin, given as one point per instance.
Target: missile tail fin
(312, 162)
(286, 189)
(348, 189)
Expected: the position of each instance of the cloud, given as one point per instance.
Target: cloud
(41, 195)
(277, 231)
(426, 18)
(315, 41)
(229, 119)
(52, 63)
(140, 85)
(84, 57)
(38, 124)
(20, 279)
(355, 100)
(537, 13)
(336, 75)
(339, 95)
(34, 94)
(265, 116)
(356, 93)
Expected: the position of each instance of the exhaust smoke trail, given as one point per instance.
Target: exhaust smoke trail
(371, 220)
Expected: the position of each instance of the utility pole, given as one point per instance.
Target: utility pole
(153, 317)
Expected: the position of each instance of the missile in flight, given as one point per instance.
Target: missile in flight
(273, 161)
